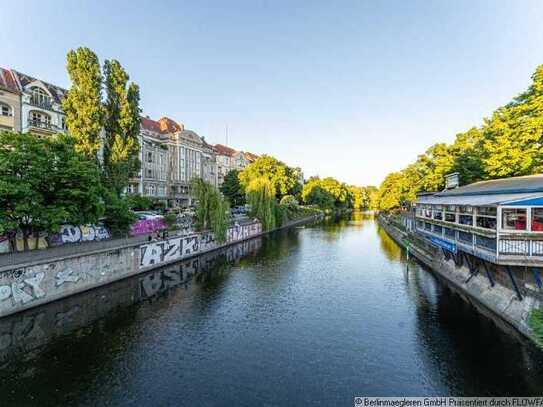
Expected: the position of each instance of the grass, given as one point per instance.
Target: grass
(535, 321)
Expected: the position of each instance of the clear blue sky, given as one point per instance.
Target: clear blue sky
(347, 89)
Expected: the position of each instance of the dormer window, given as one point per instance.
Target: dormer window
(40, 97)
(5, 110)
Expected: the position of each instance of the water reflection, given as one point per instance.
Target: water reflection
(307, 316)
(31, 330)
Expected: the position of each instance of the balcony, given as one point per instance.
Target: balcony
(42, 125)
(41, 102)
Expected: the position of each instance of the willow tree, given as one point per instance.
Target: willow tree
(212, 210)
(261, 197)
(83, 103)
(122, 127)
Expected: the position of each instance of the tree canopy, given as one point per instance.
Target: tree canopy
(509, 143)
(283, 178)
(45, 182)
(232, 189)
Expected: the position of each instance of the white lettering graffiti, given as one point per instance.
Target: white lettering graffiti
(161, 252)
(18, 293)
(66, 276)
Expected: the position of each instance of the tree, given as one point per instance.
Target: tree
(45, 182)
(339, 192)
(83, 103)
(261, 198)
(283, 178)
(232, 189)
(122, 127)
(316, 195)
(212, 211)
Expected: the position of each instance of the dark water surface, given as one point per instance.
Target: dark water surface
(309, 316)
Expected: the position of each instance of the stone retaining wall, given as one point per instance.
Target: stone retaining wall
(36, 283)
(500, 299)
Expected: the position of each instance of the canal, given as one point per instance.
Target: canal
(309, 316)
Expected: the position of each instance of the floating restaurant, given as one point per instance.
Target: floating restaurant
(493, 224)
(500, 220)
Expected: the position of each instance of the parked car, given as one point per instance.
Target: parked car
(146, 215)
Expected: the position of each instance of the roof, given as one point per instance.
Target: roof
(492, 192)
(168, 125)
(223, 150)
(528, 183)
(163, 126)
(150, 125)
(250, 156)
(56, 91)
(8, 81)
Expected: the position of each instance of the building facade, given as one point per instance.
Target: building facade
(171, 157)
(10, 102)
(41, 105)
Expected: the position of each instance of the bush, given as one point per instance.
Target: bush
(118, 216)
(289, 200)
(535, 321)
(139, 203)
(171, 220)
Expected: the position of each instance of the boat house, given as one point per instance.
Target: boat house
(499, 221)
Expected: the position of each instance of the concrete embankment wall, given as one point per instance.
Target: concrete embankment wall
(500, 299)
(29, 285)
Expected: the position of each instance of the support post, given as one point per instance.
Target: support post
(488, 274)
(519, 295)
(537, 277)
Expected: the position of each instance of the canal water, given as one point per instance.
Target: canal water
(314, 315)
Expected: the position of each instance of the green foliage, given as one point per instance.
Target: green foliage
(509, 143)
(327, 193)
(232, 189)
(118, 216)
(45, 182)
(261, 198)
(289, 201)
(535, 321)
(284, 179)
(122, 126)
(212, 211)
(137, 202)
(171, 220)
(83, 102)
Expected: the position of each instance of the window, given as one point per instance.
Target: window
(537, 219)
(39, 97)
(40, 119)
(485, 242)
(450, 233)
(438, 214)
(466, 209)
(438, 229)
(63, 121)
(428, 226)
(486, 222)
(5, 110)
(465, 237)
(486, 217)
(450, 217)
(513, 219)
(149, 157)
(465, 220)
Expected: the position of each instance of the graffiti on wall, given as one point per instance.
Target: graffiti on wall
(76, 234)
(23, 289)
(146, 226)
(66, 234)
(177, 248)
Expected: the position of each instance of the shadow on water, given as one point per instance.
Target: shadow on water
(31, 342)
(479, 354)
